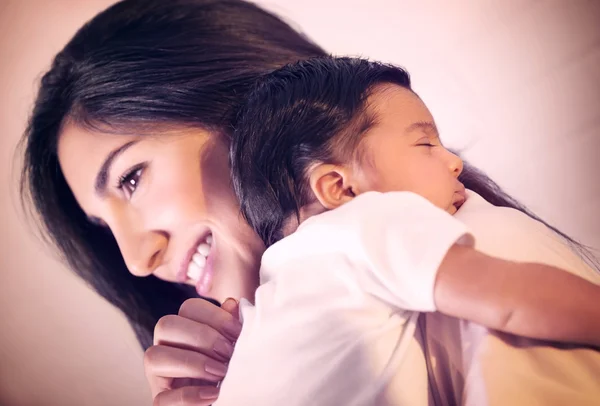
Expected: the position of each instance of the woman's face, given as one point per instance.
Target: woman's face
(168, 201)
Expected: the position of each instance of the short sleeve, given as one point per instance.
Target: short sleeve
(402, 241)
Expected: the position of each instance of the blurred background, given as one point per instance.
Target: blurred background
(513, 84)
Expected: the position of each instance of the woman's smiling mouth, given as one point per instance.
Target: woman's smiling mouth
(196, 266)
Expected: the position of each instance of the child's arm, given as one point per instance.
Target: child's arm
(531, 300)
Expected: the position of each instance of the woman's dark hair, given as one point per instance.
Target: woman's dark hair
(185, 62)
(308, 112)
(153, 61)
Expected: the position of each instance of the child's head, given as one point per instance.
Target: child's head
(317, 133)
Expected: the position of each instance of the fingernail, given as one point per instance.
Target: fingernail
(233, 328)
(208, 392)
(223, 348)
(216, 368)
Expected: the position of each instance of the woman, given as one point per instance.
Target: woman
(126, 161)
(210, 52)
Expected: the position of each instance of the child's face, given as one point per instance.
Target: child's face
(402, 152)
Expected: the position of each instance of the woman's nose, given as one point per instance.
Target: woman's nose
(143, 252)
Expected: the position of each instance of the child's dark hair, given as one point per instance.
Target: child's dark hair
(309, 112)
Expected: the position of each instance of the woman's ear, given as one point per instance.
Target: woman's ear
(332, 185)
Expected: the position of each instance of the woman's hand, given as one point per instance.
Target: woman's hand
(190, 353)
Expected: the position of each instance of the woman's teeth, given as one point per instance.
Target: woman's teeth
(203, 249)
(198, 261)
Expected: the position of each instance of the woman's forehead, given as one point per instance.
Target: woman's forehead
(86, 154)
(80, 150)
(76, 140)
(81, 154)
(80, 147)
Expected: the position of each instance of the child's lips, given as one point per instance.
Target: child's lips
(460, 197)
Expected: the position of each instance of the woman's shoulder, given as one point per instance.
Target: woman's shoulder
(511, 234)
(488, 220)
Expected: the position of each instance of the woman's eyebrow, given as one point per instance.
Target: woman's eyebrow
(102, 176)
(426, 126)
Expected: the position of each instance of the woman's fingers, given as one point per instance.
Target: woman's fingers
(204, 312)
(183, 333)
(160, 384)
(171, 362)
(191, 351)
(187, 396)
(232, 307)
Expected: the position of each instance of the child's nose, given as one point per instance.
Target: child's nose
(456, 164)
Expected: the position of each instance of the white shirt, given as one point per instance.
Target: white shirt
(335, 315)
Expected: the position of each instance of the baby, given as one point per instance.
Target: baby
(339, 168)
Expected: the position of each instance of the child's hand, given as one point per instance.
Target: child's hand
(190, 353)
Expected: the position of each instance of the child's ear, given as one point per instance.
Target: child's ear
(332, 185)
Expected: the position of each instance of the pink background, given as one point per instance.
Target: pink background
(515, 83)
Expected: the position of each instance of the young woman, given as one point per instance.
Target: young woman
(126, 162)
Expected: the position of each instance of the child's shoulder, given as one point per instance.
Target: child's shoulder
(379, 203)
(370, 209)
(342, 230)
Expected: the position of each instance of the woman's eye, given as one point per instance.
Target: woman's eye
(129, 182)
